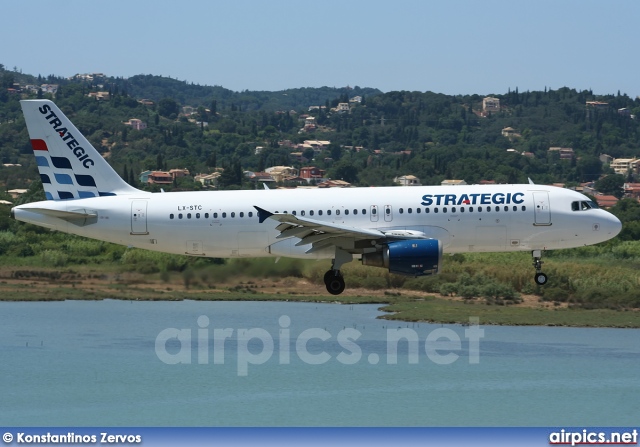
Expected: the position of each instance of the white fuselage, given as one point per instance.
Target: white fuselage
(491, 218)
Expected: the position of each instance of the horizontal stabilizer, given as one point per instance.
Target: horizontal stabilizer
(76, 217)
(66, 215)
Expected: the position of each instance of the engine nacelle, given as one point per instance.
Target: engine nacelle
(417, 257)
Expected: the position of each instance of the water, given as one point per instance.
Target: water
(94, 363)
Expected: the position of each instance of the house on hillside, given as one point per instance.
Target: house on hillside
(159, 178)
(407, 180)
(606, 201)
(453, 182)
(566, 153)
(625, 165)
(490, 105)
(136, 124)
(311, 172)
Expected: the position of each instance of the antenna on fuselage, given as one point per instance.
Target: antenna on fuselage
(530, 181)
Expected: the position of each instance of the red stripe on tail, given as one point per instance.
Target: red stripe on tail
(39, 145)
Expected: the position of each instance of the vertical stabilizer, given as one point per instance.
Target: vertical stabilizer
(70, 167)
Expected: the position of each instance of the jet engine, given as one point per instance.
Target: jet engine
(415, 257)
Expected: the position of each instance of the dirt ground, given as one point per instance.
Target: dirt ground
(22, 283)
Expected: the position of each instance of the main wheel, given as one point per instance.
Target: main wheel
(335, 283)
(540, 278)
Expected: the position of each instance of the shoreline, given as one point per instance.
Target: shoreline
(20, 284)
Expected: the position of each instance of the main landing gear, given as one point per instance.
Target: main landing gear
(540, 278)
(333, 279)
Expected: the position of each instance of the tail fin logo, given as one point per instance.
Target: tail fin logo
(66, 136)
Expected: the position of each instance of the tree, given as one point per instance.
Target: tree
(345, 171)
(589, 168)
(611, 184)
(168, 107)
(125, 174)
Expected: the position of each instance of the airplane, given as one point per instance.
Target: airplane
(402, 229)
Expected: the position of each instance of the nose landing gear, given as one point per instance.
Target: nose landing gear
(540, 278)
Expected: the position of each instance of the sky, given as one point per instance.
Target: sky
(445, 46)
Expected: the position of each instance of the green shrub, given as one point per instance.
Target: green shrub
(54, 258)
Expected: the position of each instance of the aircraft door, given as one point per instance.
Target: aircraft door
(373, 213)
(541, 208)
(139, 217)
(388, 213)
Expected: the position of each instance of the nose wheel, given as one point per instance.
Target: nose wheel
(540, 278)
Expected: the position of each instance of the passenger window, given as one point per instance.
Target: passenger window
(241, 214)
(311, 213)
(479, 209)
(188, 215)
(197, 215)
(328, 212)
(524, 208)
(302, 213)
(206, 215)
(337, 212)
(506, 208)
(435, 210)
(453, 209)
(215, 215)
(364, 211)
(319, 212)
(401, 210)
(294, 213)
(388, 211)
(224, 215)
(233, 214)
(471, 209)
(346, 212)
(462, 209)
(180, 216)
(444, 210)
(410, 210)
(170, 216)
(374, 211)
(355, 212)
(497, 208)
(250, 213)
(418, 210)
(515, 208)
(426, 210)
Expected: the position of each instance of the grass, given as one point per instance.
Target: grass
(605, 279)
(439, 310)
(86, 283)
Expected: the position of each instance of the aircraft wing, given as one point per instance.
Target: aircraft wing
(322, 234)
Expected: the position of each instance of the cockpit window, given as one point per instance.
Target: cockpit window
(584, 205)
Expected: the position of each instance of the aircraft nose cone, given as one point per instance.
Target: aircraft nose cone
(615, 225)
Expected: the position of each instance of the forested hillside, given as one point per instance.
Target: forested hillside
(430, 135)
